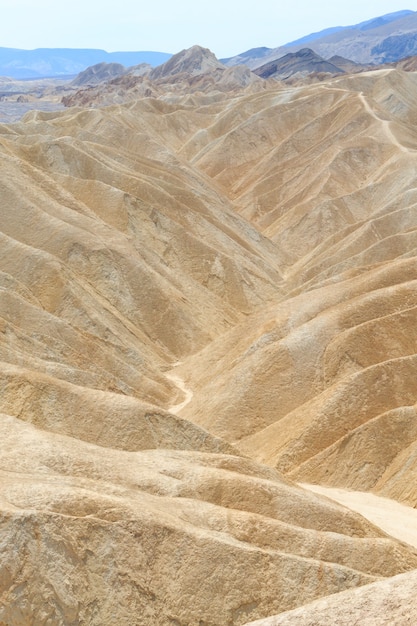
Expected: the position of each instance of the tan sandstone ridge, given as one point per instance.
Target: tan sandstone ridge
(203, 298)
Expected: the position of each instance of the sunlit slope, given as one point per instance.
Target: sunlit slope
(387, 603)
(263, 245)
(323, 170)
(92, 535)
(117, 259)
(120, 238)
(323, 385)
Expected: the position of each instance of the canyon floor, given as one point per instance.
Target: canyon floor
(208, 313)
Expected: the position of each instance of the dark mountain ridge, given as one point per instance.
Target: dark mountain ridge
(305, 61)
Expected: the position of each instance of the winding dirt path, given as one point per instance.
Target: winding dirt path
(398, 520)
(179, 382)
(385, 123)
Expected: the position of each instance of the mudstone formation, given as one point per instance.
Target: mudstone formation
(208, 297)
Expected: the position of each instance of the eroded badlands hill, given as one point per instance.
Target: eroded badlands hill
(322, 384)
(255, 249)
(388, 603)
(93, 535)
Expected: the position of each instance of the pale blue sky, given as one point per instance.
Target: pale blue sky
(227, 27)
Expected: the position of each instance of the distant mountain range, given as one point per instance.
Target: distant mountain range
(197, 70)
(362, 26)
(383, 39)
(48, 62)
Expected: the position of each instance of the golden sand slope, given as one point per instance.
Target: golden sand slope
(249, 262)
(128, 262)
(322, 385)
(104, 536)
(388, 603)
(398, 520)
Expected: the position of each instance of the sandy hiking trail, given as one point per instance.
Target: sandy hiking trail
(398, 520)
(179, 382)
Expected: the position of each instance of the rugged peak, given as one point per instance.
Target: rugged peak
(99, 73)
(305, 53)
(304, 61)
(195, 60)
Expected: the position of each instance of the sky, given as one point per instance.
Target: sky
(227, 27)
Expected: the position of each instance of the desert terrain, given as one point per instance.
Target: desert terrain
(208, 306)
